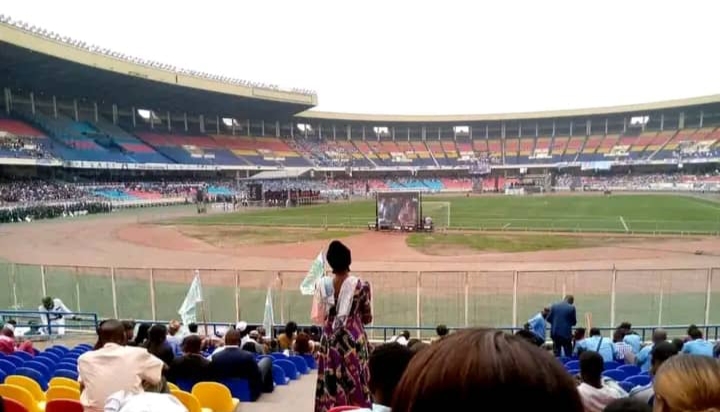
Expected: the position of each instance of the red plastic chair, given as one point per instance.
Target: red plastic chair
(63, 405)
(13, 406)
(337, 408)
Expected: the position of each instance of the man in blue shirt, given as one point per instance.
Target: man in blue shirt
(597, 343)
(644, 356)
(537, 323)
(562, 319)
(631, 337)
(661, 352)
(698, 345)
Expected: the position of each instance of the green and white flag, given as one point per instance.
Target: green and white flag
(316, 271)
(268, 315)
(188, 309)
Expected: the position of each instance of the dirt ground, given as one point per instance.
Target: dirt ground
(131, 241)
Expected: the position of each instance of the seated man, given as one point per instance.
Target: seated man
(697, 345)
(660, 353)
(234, 363)
(191, 366)
(597, 343)
(114, 367)
(594, 393)
(387, 364)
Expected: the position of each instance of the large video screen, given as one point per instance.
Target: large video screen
(398, 209)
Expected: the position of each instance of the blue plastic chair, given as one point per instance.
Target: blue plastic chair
(60, 348)
(611, 365)
(84, 346)
(67, 365)
(34, 375)
(23, 355)
(278, 355)
(288, 367)
(7, 367)
(39, 367)
(310, 360)
(239, 388)
(3, 375)
(279, 376)
(564, 359)
(627, 386)
(300, 364)
(646, 373)
(18, 362)
(185, 384)
(630, 370)
(65, 373)
(574, 372)
(615, 374)
(575, 364)
(638, 380)
(261, 357)
(50, 355)
(45, 361)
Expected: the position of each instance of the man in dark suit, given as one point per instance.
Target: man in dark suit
(562, 319)
(234, 363)
(191, 366)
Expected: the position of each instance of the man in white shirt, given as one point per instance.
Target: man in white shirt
(594, 393)
(114, 367)
(124, 401)
(56, 319)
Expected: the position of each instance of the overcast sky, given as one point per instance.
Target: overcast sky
(418, 57)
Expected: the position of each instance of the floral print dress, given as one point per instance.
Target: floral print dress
(343, 374)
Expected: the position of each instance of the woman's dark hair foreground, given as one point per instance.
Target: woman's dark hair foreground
(485, 368)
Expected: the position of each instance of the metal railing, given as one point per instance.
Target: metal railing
(40, 322)
(667, 296)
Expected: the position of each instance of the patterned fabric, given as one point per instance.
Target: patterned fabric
(343, 374)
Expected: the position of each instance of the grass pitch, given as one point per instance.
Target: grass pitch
(661, 213)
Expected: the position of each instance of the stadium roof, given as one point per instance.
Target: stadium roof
(33, 62)
(281, 174)
(468, 118)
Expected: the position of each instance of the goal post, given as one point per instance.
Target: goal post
(438, 211)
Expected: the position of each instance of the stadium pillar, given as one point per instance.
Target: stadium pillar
(334, 132)
(418, 303)
(469, 133)
(467, 299)
(348, 132)
(76, 110)
(134, 119)
(217, 124)
(423, 133)
(662, 122)
(537, 129)
(681, 120)
(624, 124)
(114, 114)
(32, 103)
(702, 114)
(606, 125)
(553, 129)
(168, 120)
(95, 112)
(237, 297)
(292, 130)
(277, 128)
(262, 127)
(571, 127)
(363, 132)
(588, 127)
(8, 100)
(185, 123)
(487, 131)
(201, 119)
(43, 282)
(247, 128)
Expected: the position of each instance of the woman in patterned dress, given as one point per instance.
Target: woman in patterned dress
(342, 305)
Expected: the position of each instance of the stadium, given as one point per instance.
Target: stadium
(121, 179)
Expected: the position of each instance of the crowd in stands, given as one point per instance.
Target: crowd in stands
(28, 213)
(644, 181)
(32, 191)
(23, 148)
(158, 65)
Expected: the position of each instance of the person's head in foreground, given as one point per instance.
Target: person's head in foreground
(387, 364)
(129, 329)
(192, 345)
(659, 336)
(233, 337)
(111, 331)
(47, 302)
(660, 353)
(628, 405)
(694, 332)
(688, 383)
(595, 396)
(290, 329)
(570, 299)
(618, 335)
(173, 327)
(339, 257)
(484, 367)
(442, 331)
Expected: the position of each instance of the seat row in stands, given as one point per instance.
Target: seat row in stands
(627, 376)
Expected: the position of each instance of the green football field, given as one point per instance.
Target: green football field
(650, 213)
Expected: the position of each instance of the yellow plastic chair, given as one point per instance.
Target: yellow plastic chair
(189, 401)
(24, 382)
(64, 382)
(62, 392)
(215, 396)
(19, 395)
(172, 387)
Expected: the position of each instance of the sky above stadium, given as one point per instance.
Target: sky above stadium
(418, 57)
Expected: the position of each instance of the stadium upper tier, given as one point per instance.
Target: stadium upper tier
(100, 140)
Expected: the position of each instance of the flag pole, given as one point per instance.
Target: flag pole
(203, 312)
